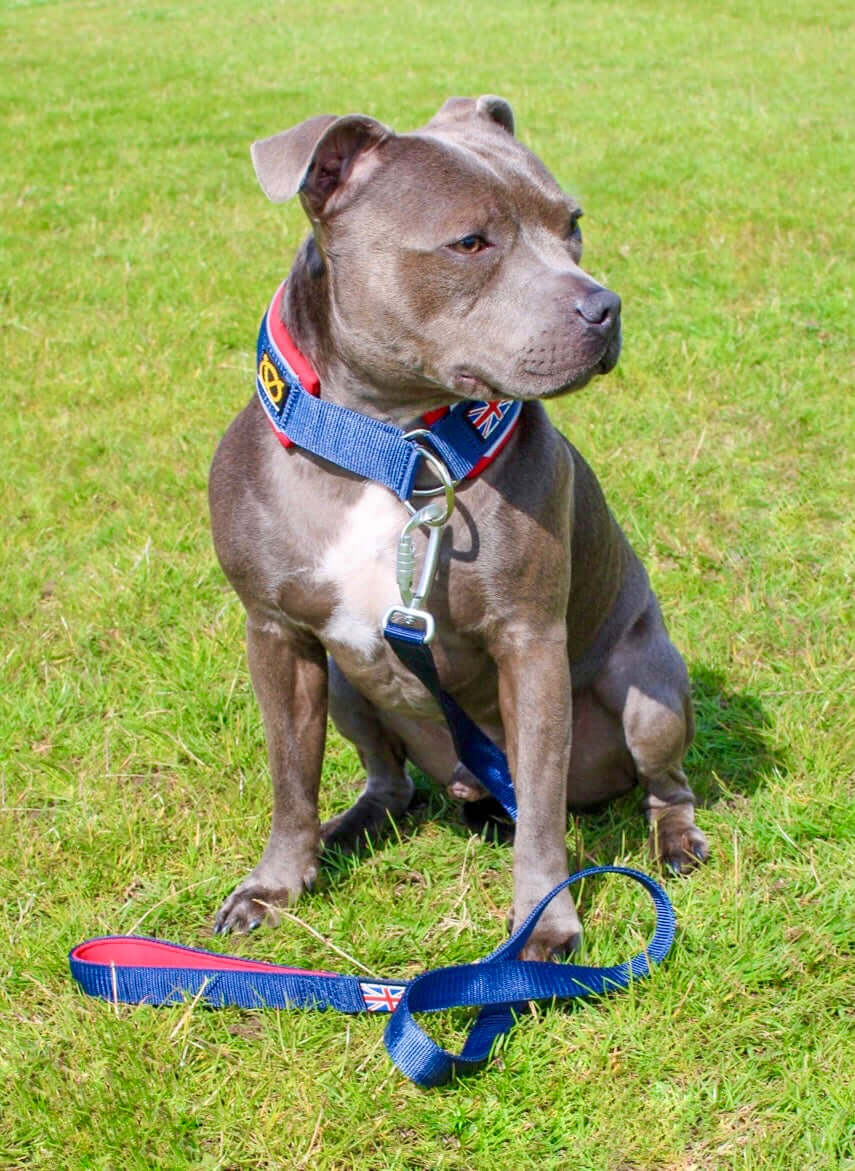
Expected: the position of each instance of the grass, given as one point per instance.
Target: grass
(711, 147)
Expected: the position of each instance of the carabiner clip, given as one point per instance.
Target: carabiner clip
(435, 515)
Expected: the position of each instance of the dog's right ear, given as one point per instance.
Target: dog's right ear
(314, 158)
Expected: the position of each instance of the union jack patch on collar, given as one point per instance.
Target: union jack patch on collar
(381, 997)
(486, 417)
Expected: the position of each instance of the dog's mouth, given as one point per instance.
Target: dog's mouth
(535, 382)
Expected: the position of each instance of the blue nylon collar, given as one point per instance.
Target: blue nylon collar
(466, 438)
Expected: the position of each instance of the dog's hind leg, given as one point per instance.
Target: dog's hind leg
(646, 682)
(388, 787)
(658, 733)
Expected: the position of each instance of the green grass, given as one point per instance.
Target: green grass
(711, 147)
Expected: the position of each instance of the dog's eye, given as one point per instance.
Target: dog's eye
(469, 245)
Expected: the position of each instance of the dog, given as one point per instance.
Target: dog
(444, 265)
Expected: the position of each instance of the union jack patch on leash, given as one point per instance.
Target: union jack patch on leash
(381, 997)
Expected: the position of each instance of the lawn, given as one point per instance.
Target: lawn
(711, 146)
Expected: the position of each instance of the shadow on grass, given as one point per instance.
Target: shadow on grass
(429, 803)
(732, 751)
(733, 746)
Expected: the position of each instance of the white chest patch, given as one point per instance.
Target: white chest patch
(360, 563)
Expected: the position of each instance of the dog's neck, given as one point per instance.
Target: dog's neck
(373, 444)
(307, 317)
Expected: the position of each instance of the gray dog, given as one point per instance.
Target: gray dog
(443, 266)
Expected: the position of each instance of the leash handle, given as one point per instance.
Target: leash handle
(134, 969)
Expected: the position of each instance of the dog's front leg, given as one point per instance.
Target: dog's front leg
(289, 675)
(535, 701)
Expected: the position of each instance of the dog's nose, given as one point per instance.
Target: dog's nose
(601, 307)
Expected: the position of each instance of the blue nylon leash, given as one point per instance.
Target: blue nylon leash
(135, 970)
(482, 757)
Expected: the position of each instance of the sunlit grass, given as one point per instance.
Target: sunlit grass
(711, 148)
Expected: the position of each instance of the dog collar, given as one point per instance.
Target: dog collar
(467, 437)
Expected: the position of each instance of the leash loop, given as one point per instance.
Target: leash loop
(501, 985)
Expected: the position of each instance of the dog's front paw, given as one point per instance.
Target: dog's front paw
(255, 901)
(677, 843)
(557, 934)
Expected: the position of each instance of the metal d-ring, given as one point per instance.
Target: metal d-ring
(412, 617)
(446, 483)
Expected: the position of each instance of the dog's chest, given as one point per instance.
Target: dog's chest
(359, 564)
(357, 569)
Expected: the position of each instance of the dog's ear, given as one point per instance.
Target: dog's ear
(280, 161)
(487, 106)
(497, 110)
(314, 158)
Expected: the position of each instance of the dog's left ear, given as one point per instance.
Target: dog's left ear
(488, 106)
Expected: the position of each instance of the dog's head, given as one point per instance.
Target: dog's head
(452, 256)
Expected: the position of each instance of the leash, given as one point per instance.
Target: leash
(139, 970)
(132, 969)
